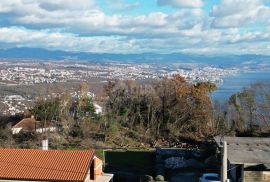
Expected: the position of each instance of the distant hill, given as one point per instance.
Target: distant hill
(44, 54)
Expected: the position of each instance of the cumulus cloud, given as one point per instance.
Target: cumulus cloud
(21, 37)
(192, 40)
(84, 26)
(52, 5)
(181, 3)
(85, 18)
(237, 13)
(121, 5)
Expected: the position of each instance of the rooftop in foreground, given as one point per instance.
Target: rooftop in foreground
(45, 165)
(246, 150)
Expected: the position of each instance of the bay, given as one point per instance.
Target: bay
(236, 83)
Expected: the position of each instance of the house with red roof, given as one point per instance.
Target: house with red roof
(31, 125)
(51, 165)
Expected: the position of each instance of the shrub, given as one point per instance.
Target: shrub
(147, 178)
(159, 178)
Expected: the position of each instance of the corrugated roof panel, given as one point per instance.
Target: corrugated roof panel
(246, 150)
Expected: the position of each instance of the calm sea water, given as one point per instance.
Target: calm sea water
(236, 83)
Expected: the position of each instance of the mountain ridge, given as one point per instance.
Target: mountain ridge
(44, 54)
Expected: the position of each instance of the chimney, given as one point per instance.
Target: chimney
(97, 168)
(45, 144)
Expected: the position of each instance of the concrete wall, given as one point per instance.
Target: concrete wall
(256, 176)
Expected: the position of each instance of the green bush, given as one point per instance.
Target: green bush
(23, 136)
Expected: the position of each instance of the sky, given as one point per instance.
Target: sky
(205, 27)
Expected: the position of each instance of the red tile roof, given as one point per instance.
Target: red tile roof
(45, 165)
(27, 124)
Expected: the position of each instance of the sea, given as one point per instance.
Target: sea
(235, 83)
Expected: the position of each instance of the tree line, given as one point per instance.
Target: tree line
(164, 112)
(246, 113)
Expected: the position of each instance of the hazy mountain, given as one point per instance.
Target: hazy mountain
(43, 54)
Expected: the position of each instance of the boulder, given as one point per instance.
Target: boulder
(159, 178)
(175, 162)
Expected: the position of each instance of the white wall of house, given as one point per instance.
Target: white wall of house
(98, 108)
(16, 130)
(39, 130)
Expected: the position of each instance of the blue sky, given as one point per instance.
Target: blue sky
(207, 27)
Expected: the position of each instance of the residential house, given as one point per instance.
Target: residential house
(51, 165)
(248, 158)
(98, 108)
(31, 125)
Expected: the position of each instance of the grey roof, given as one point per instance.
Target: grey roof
(267, 166)
(247, 150)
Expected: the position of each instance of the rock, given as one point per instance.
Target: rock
(159, 178)
(175, 162)
(173, 152)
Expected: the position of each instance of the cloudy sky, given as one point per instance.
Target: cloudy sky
(135, 26)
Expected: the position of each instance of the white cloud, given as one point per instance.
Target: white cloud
(83, 26)
(52, 5)
(121, 5)
(181, 3)
(194, 40)
(56, 40)
(237, 13)
(85, 18)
